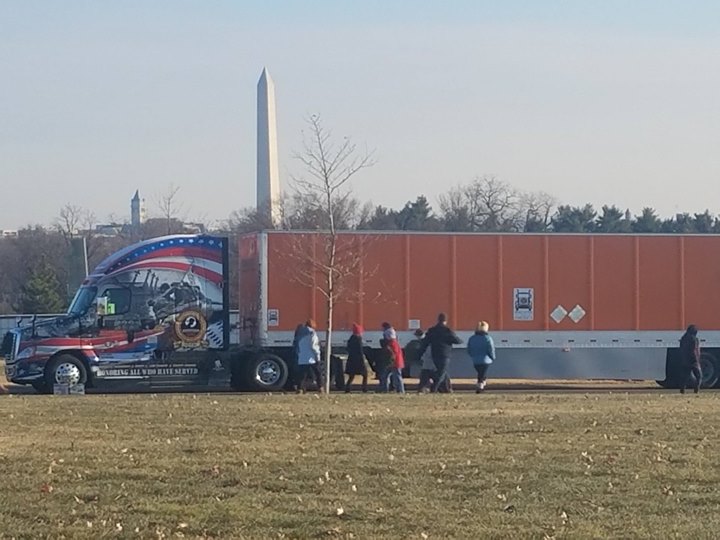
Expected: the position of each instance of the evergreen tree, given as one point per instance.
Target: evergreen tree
(417, 216)
(612, 220)
(42, 292)
(684, 224)
(647, 222)
(574, 219)
(383, 219)
(704, 223)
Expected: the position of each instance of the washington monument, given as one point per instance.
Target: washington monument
(268, 179)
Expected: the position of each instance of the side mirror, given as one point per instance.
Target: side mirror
(101, 305)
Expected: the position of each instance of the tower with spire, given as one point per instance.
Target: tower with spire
(137, 210)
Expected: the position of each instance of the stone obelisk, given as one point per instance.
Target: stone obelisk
(268, 177)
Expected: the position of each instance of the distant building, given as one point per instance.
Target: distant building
(8, 233)
(110, 229)
(193, 228)
(137, 211)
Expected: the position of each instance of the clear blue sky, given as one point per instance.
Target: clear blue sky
(605, 101)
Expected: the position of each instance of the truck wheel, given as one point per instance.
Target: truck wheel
(710, 370)
(65, 369)
(268, 372)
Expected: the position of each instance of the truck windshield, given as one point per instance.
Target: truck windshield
(84, 298)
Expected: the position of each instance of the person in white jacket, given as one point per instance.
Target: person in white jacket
(308, 356)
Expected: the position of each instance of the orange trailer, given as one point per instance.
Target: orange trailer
(559, 305)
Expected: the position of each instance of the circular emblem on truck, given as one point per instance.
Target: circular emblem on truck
(190, 327)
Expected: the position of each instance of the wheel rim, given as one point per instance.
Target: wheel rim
(268, 372)
(67, 373)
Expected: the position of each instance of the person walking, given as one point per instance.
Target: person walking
(355, 364)
(440, 338)
(308, 357)
(384, 361)
(690, 359)
(481, 350)
(293, 368)
(427, 371)
(410, 352)
(398, 364)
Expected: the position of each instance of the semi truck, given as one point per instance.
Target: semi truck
(561, 306)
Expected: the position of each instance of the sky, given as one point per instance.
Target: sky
(607, 102)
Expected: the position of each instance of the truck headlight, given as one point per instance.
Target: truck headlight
(27, 352)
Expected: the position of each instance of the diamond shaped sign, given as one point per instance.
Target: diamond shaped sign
(576, 314)
(558, 314)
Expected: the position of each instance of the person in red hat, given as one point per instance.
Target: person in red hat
(394, 373)
(355, 364)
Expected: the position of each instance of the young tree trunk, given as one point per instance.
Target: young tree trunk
(330, 303)
(328, 345)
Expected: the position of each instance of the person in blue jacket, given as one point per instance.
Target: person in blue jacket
(482, 352)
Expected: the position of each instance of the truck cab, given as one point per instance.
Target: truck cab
(157, 309)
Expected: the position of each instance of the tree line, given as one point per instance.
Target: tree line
(486, 204)
(34, 265)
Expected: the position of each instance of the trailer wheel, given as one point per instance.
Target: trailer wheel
(710, 370)
(268, 372)
(65, 369)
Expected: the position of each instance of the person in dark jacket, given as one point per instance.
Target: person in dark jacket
(294, 368)
(690, 359)
(355, 364)
(440, 339)
(481, 350)
(384, 362)
(411, 353)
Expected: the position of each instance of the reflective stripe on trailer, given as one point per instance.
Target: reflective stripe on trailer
(538, 339)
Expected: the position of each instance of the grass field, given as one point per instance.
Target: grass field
(360, 466)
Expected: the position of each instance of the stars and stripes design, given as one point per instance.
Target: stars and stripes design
(201, 255)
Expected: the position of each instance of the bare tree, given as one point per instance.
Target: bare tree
(73, 221)
(248, 219)
(171, 209)
(329, 165)
(69, 221)
(486, 204)
(536, 211)
(76, 223)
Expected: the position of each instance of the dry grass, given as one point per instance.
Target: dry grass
(360, 466)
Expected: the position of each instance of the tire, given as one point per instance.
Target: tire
(65, 369)
(267, 373)
(710, 368)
